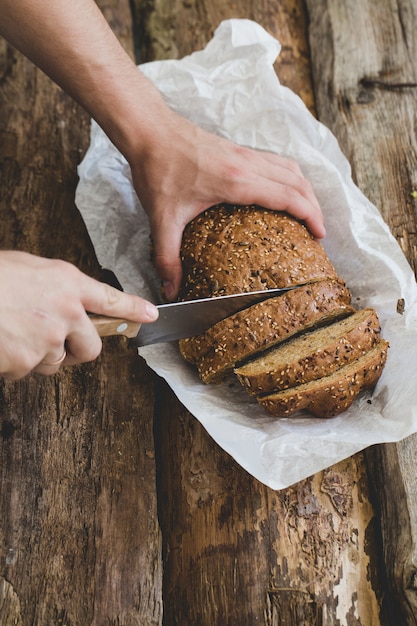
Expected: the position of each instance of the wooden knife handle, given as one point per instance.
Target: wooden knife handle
(108, 326)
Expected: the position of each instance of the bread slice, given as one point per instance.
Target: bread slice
(330, 395)
(312, 355)
(244, 334)
(231, 249)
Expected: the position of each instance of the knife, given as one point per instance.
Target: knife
(178, 320)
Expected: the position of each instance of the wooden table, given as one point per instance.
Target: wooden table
(116, 508)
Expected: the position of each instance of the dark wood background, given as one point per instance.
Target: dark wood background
(116, 507)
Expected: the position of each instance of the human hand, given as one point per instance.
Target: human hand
(43, 314)
(188, 170)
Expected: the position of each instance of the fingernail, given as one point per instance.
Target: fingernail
(151, 311)
(169, 289)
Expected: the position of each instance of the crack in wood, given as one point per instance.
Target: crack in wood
(371, 83)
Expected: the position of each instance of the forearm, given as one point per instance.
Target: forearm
(73, 44)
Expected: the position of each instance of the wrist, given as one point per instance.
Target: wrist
(130, 110)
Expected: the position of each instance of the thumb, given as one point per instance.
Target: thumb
(167, 239)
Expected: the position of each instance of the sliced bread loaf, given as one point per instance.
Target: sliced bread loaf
(246, 333)
(274, 318)
(330, 395)
(231, 249)
(312, 355)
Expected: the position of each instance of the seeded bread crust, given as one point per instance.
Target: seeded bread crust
(246, 333)
(312, 355)
(231, 249)
(333, 394)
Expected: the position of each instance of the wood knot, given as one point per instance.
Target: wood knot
(7, 429)
(365, 97)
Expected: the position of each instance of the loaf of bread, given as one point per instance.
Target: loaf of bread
(231, 249)
(305, 349)
(312, 355)
(330, 395)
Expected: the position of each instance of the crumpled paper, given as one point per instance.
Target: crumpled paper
(231, 88)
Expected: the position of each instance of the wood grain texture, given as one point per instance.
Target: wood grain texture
(366, 90)
(393, 471)
(237, 552)
(79, 536)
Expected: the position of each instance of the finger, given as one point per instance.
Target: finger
(290, 200)
(297, 178)
(51, 363)
(83, 344)
(17, 365)
(277, 183)
(279, 196)
(103, 299)
(167, 239)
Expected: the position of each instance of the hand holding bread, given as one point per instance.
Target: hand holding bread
(213, 169)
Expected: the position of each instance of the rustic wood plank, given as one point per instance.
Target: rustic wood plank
(80, 542)
(235, 551)
(238, 552)
(393, 471)
(366, 86)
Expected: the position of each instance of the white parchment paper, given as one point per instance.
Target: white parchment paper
(231, 88)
